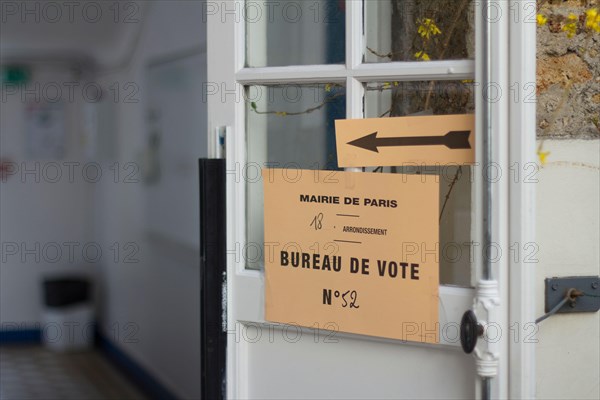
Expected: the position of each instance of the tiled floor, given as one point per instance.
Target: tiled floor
(32, 372)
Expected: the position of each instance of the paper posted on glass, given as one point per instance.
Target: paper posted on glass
(406, 141)
(352, 252)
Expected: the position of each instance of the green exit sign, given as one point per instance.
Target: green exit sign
(15, 74)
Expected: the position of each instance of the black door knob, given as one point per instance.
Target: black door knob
(470, 330)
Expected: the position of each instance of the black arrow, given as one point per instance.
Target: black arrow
(452, 140)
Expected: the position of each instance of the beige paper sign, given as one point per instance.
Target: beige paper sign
(354, 252)
(422, 140)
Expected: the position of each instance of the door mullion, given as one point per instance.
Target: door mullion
(415, 70)
(396, 71)
(354, 34)
(354, 98)
(292, 74)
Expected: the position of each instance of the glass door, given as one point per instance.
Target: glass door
(279, 75)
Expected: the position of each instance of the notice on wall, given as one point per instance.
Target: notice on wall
(45, 134)
(352, 252)
(406, 141)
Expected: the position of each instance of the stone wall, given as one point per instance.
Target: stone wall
(568, 70)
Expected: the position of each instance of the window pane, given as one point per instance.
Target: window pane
(385, 99)
(413, 30)
(397, 99)
(291, 32)
(288, 126)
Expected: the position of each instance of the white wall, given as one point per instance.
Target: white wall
(568, 234)
(42, 210)
(159, 295)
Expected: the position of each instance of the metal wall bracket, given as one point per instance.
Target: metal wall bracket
(557, 288)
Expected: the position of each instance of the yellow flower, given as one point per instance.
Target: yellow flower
(421, 55)
(592, 20)
(427, 27)
(571, 26)
(328, 87)
(281, 113)
(542, 155)
(541, 20)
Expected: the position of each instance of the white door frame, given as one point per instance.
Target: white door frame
(520, 146)
(512, 56)
(511, 46)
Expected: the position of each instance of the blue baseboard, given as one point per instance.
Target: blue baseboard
(145, 381)
(137, 374)
(20, 336)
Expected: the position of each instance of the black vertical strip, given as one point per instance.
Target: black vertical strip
(212, 277)
(334, 18)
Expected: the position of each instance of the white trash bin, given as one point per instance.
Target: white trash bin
(69, 328)
(68, 315)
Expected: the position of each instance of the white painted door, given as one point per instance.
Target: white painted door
(279, 73)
